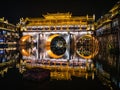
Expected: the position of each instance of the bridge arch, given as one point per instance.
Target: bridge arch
(55, 46)
(24, 39)
(87, 46)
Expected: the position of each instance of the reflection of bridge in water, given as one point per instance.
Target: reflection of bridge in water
(63, 70)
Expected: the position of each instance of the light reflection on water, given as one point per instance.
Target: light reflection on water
(106, 70)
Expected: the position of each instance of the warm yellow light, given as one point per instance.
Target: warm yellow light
(51, 54)
(24, 38)
(48, 49)
(25, 53)
(95, 51)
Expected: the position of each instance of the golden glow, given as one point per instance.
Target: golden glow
(103, 22)
(50, 53)
(57, 16)
(24, 38)
(51, 37)
(95, 50)
(64, 72)
(4, 71)
(25, 52)
(60, 75)
(63, 20)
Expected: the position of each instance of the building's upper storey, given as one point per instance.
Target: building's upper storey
(115, 10)
(5, 25)
(106, 20)
(59, 21)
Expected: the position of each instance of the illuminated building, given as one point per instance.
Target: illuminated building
(108, 30)
(8, 34)
(58, 36)
(9, 37)
(108, 35)
(8, 58)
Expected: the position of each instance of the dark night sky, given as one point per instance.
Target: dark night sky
(12, 10)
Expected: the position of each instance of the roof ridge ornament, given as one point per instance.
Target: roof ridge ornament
(57, 15)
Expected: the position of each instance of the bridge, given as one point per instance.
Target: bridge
(58, 36)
